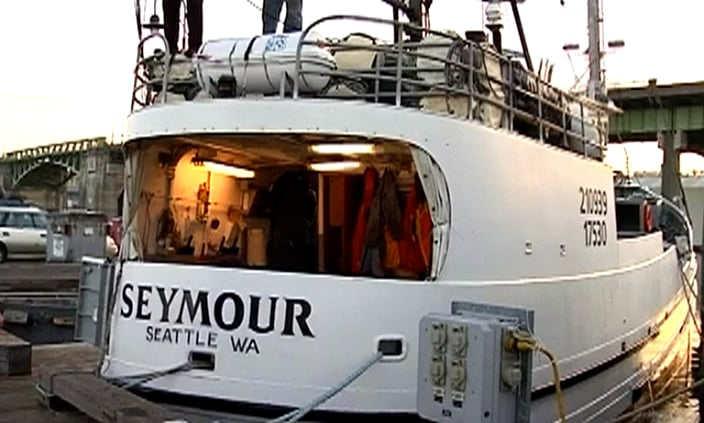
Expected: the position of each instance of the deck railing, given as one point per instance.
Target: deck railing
(415, 74)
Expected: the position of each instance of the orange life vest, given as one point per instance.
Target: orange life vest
(371, 178)
(414, 246)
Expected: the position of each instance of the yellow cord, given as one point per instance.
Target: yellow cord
(556, 380)
(526, 342)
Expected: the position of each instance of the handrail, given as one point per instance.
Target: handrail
(141, 61)
(512, 93)
(403, 50)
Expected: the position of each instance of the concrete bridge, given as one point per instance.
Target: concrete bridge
(653, 110)
(84, 173)
(672, 115)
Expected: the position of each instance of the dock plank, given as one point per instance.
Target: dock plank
(39, 276)
(19, 396)
(20, 400)
(103, 401)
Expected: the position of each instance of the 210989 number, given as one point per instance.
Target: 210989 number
(594, 201)
(595, 233)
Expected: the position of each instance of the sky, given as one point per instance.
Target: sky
(67, 66)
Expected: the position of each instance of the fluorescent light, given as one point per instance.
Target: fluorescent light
(229, 170)
(343, 148)
(334, 166)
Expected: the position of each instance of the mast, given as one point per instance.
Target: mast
(595, 88)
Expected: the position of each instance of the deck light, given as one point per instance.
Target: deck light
(334, 166)
(227, 169)
(343, 148)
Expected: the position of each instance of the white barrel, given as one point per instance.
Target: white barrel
(259, 63)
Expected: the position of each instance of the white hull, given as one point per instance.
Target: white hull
(518, 240)
(347, 317)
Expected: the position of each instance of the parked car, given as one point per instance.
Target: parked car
(22, 232)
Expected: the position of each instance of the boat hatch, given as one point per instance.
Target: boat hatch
(289, 202)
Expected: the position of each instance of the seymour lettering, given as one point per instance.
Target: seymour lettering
(226, 310)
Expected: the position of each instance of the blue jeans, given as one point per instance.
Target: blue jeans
(272, 10)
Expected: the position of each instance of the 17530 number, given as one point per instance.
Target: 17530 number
(594, 204)
(595, 233)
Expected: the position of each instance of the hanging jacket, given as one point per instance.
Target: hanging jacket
(414, 245)
(385, 211)
(371, 177)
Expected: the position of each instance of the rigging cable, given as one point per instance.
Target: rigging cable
(128, 382)
(138, 16)
(660, 401)
(687, 288)
(261, 9)
(299, 413)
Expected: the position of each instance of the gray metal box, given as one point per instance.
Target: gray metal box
(94, 293)
(73, 234)
(464, 372)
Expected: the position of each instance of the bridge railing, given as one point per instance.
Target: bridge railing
(55, 149)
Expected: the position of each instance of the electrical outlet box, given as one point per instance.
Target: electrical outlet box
(465, 373)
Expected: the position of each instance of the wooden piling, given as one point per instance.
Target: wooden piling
(15, 355)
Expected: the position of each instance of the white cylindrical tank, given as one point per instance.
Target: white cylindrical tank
(589, 131)
(259, 63)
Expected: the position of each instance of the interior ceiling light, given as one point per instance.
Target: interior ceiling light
(343, 148)
(229, 170)
(334, 166)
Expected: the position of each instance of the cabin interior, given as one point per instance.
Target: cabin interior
(284, 202)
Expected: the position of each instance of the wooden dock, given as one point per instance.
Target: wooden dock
(19, 396)
(38, 300)
(21, 401)
(39, 276)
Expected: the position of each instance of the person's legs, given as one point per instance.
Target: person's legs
(271, 11)
(194, 15)
(172, 13)
(294, 16)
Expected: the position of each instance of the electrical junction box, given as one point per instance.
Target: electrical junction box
(465, 372)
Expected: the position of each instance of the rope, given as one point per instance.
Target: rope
(261, 9)
(656, 403)
(687, 289)
(298, 414)
(128, 382)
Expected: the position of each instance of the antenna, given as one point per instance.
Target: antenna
(628, 161)
(596, 88)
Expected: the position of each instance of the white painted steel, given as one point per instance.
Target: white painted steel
(515, 237)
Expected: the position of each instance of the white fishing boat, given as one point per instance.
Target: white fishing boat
(296, 203)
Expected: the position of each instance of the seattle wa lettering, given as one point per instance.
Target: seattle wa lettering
(200, 318)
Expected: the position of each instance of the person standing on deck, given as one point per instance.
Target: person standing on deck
(272, 10)
(194, 18)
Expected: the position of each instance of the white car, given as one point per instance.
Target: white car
(22, 232)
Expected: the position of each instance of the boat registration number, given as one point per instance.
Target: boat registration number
(594, 205)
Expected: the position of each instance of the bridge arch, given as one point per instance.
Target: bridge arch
(46, 173)
(49, 166)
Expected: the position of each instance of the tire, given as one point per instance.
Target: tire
(3, 253)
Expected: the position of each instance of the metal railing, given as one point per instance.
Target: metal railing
(461, 71)
(147, 83)
(399, 77)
